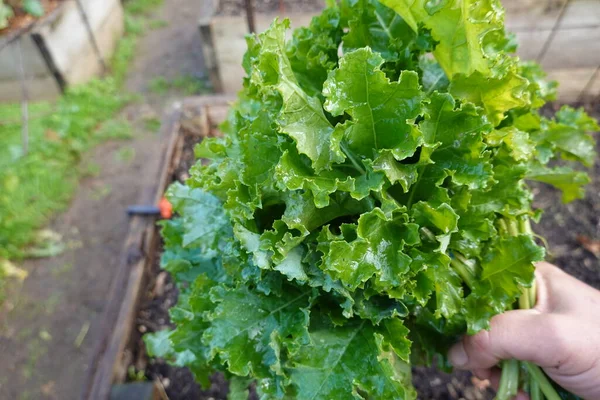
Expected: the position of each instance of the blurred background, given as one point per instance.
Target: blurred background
(95, 95)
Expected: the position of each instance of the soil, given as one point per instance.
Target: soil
(564, 226)
(238, 7)
(50, 325)
(22, 19)
(568, 228)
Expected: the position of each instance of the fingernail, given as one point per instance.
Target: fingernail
(458, 356)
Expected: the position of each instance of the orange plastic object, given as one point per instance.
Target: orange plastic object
(166, 208)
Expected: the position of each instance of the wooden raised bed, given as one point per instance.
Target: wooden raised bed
(562, 35)
(57, 50)
(111, 357)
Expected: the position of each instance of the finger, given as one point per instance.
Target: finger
(495, 375)
(526, 335)
(521, 396)
(483, 373)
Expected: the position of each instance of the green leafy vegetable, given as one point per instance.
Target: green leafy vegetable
(368, 203)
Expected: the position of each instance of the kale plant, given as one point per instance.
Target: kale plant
(368, 203)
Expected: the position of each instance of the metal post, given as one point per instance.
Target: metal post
(91, 36)
(250, 15)
(24, 101)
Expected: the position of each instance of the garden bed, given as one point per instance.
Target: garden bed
(238, 7)
(57, 49)
(573, 233)
(562, 40)
(21, 20)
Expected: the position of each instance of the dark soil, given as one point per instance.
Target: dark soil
(568, 227)
(562, 225)
(237, 7)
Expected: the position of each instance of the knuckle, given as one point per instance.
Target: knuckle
(480, 342)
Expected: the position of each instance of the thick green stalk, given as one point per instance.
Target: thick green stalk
(509, 381)
(464, 271)
(538, 381)
(535, 393)
(544, 384)
(525, 299)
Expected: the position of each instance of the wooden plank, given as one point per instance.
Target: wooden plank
(107, 34)
(212, 100)
(528, 15)
(531, 43)
(532, 15)
(574, 48)
(208, 45)
(43, 88)
(67, 42)
(215, 117)
(124, 295)
(229, 33)
(572, 82)
(582, 14)
(109, 363)
(33, 61)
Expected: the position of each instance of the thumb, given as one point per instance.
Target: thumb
(526, 335)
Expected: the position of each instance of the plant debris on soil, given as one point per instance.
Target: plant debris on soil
(238, 7)
(572, 231)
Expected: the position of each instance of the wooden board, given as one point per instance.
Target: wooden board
(64, 38)
(108, 365)
(129, 278)
(229, 39)
(575, 46)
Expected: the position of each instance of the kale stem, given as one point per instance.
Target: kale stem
(513, 227)
(413, 190)
(509, 381)
(352, 158)
(471, 266)
(464, 271)
(525, 299)
(502, 227)
(544, 384)
(535, 393)
(525, 226)
(532, 292)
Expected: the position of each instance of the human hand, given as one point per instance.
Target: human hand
(561, 334)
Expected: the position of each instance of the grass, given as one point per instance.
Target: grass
(125, 155)
(159, 85)
(37, 185)
(157, 24)
(152, 124)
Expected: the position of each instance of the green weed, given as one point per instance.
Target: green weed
(157, 24)
(144, 7)
(186, 84)
(152, 124)
(190, 85)
(125, 154)
(159, 85)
